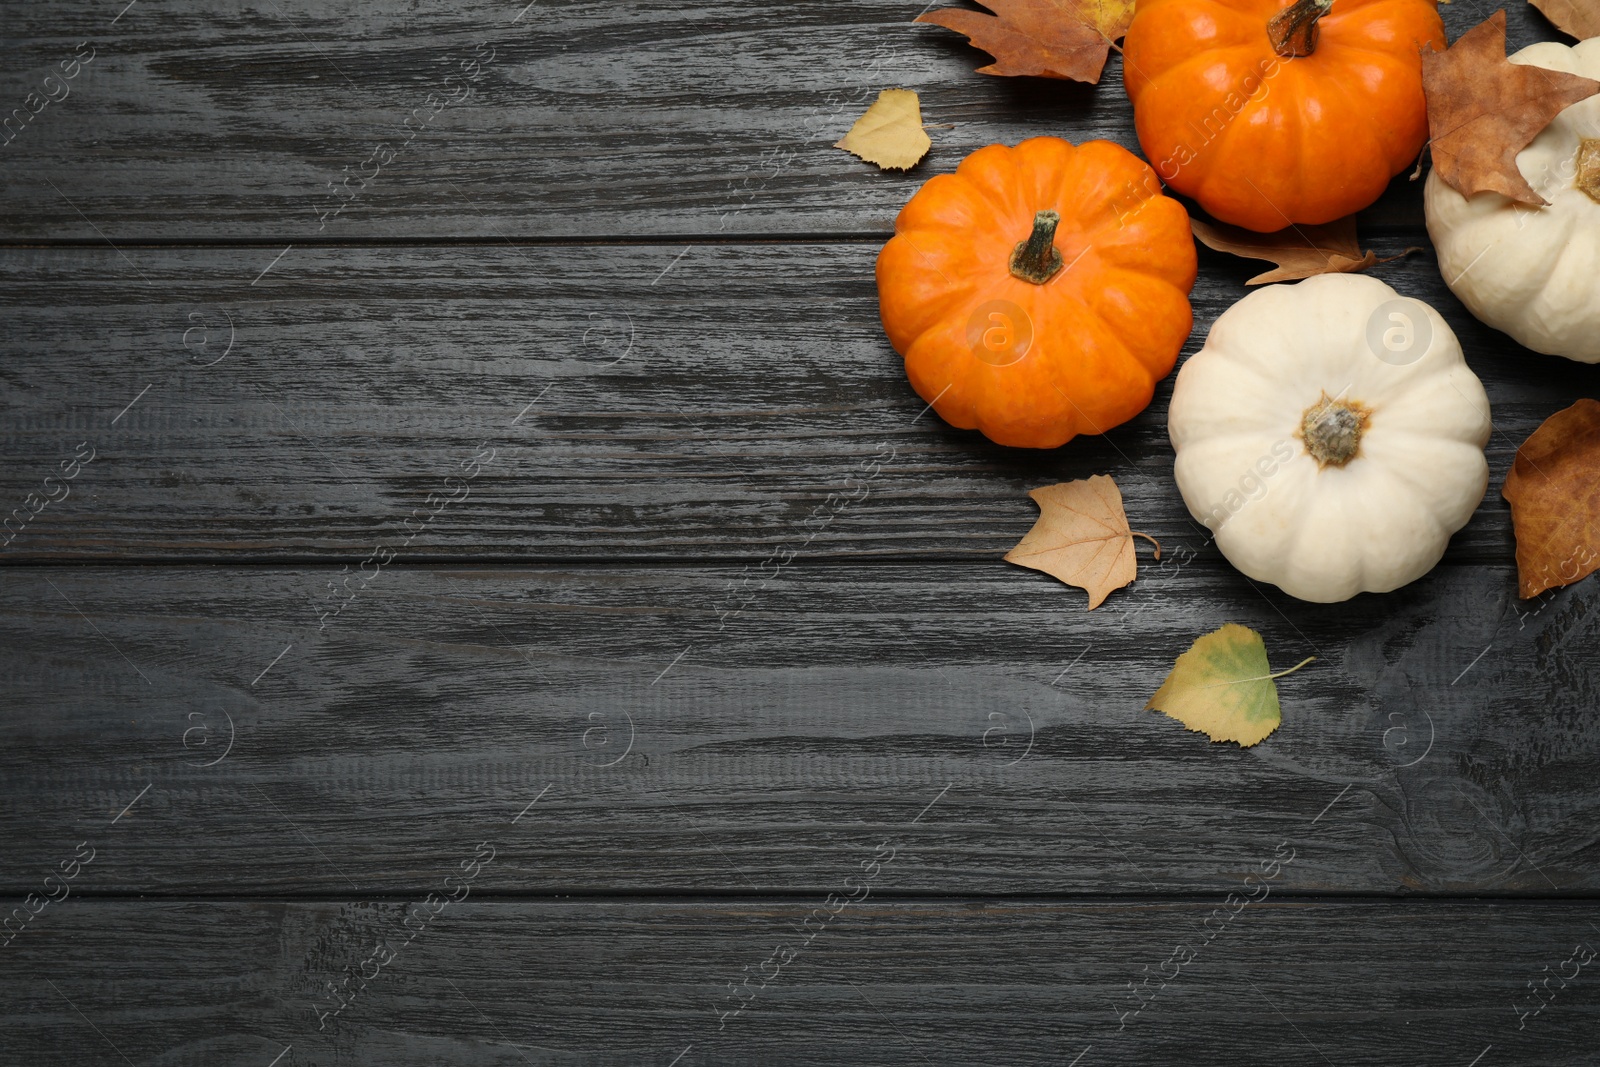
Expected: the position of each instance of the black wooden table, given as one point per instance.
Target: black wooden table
(408, 674)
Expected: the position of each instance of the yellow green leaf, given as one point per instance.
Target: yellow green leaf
(1224, 688)
(890, 133)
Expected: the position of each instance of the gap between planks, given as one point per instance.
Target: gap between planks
(809, 237)
(908, 898)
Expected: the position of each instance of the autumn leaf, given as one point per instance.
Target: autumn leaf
(1483, 109)
(890, 133)
(1580, 18)
(1047, 38)
(1554, 492)
(1082, 537)
(1299, 251)
(1222, 687)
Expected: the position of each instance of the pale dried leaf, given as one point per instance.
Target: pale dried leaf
(1081, 537)
(890, 134)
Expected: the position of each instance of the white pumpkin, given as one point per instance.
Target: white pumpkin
(1330, 434)
(1534, 272)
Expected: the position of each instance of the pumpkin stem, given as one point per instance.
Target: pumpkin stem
(1332, 429)
(1588, 166)
(1037, 259)
(1293, 31)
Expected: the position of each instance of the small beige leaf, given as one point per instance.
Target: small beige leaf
(890, 133)
(1081, 537)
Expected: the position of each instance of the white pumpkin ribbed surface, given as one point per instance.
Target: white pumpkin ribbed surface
(1321, 531)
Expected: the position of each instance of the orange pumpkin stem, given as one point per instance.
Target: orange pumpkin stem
(1587, 164)
(1293, 31)
(1037, 259)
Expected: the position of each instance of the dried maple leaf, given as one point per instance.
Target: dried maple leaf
(1580, 18)
(1222, 687)
(1047, 38)
(1299, 251)
(1554, 492)
(1082, 537)
(890, 133)
(1483, 109)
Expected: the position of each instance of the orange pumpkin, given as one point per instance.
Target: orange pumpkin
(1040, 291)
(1271, 115)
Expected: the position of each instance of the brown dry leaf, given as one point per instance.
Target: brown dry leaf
(890, 133)
(1580, 18)
(1554, 492)
(1047, 38)
(1299, 251)
(1082, 537)
(1483, 109)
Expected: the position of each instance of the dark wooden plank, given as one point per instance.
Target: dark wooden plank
(215, 730)
(233, 120)
(883, 981)
(704, 412)
(1444, 741)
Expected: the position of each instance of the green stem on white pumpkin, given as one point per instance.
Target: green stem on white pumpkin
(1293, 31)
(1332, 430)
(1587, 164)
(1037, 259)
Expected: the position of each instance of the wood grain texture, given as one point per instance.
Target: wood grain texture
(484, 511)
(1443, 742)
(644, 402)
(591, 119)
(882, 982)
